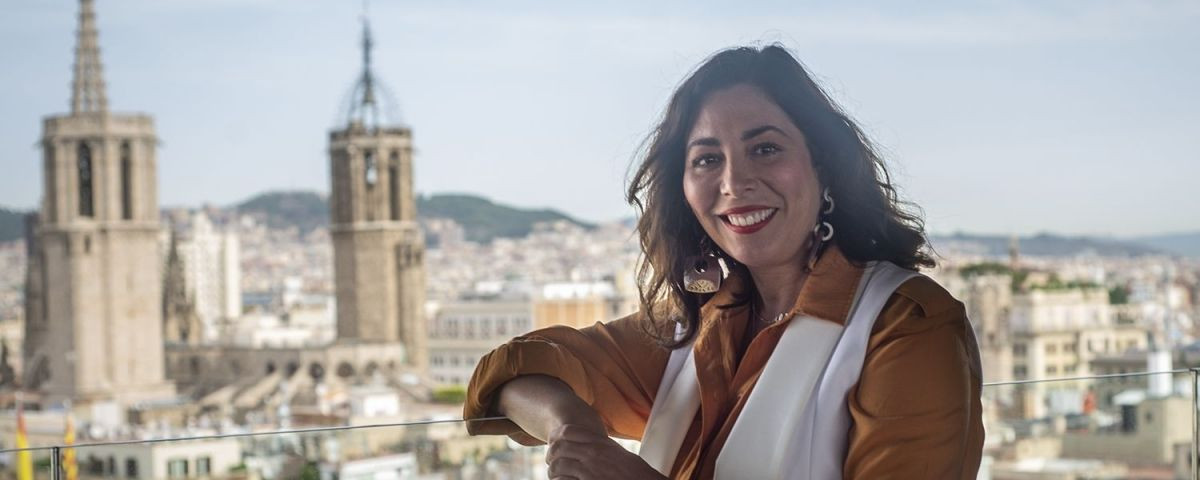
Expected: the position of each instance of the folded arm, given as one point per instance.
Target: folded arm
(614, 368)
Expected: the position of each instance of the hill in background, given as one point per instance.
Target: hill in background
(12, 224)
(301, 209)
(1186, 244)
(481, 219)
(1043, 244)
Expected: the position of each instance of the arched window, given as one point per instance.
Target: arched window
(394, 184)
(370, 168)
(85, 180)
(51, 190)
(126, 181)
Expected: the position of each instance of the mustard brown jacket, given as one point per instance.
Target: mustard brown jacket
(916, 410)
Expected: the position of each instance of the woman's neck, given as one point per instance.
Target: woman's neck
(778, 287)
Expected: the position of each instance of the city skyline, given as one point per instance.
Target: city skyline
(244, 94)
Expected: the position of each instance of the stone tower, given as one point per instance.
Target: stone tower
(94, 327)
(378, 246)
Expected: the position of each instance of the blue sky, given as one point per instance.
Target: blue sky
(1014, 117)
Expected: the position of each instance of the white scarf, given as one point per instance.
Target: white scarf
(795, 423)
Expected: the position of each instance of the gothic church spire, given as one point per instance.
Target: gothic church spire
(87, 88)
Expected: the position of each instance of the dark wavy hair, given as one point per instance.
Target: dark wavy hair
(870, 220)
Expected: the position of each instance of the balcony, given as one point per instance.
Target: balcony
(1137, 425)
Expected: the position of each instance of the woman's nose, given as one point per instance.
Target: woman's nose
(737, 177)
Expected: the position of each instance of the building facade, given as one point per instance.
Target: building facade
(1057, 334)
(212, 273)
(464, 331)
(94, 327)
(379, 275)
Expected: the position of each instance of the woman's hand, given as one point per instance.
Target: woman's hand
(581, 453)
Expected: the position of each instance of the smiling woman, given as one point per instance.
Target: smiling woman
(784, 331)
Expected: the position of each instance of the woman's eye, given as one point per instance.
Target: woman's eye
(766, 149)
(704, 161)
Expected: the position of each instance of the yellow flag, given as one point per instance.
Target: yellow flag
(70, 468)
(24, 457)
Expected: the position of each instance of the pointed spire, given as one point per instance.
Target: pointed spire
(87, 89)
(368, 78)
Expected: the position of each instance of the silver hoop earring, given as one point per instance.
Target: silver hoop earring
(824, 237)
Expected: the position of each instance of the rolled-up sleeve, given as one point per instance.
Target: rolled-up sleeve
(615, 367)
(916, 410)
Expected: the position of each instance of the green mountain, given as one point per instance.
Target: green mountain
(1186, 244)
(1043, 244)
(300, 209)
(12, 224)
(482, 220)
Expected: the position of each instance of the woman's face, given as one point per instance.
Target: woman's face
(749, 178)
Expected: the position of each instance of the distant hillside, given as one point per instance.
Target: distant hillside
(481, 219)
(1042, 244)
(304, 210)
(12, 224)
(1186, 244)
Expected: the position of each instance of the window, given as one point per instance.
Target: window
(1051, 348)
(131, 468)
(1019, 371)
(370, 169)
(85, 180)
(1069, 368)
(394, 185)
(95, 466)
(1070, 347)
(1052, 370)
(111, 469)
(203, 466)
(1018, 349)
(126, 182)
(177, 468)
(51, 172)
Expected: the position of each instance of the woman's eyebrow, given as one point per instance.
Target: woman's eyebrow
(756, 131)
(704, 142)
(748, 134)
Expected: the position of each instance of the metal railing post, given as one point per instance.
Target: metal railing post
(1195, 423)
(55, 463)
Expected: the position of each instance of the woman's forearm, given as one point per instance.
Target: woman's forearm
(539, 404)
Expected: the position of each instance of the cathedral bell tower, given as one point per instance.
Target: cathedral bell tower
(93, 329)
(378, 247)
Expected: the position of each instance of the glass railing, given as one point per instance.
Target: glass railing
(414, 450)
(1133, 425)
(39, 461)
(1136, 425)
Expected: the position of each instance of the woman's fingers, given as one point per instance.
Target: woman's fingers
(566, 468)
(575, 433)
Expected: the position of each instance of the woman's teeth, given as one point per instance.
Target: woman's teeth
(748, 219)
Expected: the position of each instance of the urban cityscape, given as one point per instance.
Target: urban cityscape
(301, 334)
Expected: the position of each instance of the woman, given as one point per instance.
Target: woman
(783, 331)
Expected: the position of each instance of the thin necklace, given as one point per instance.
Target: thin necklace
(773, 320)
